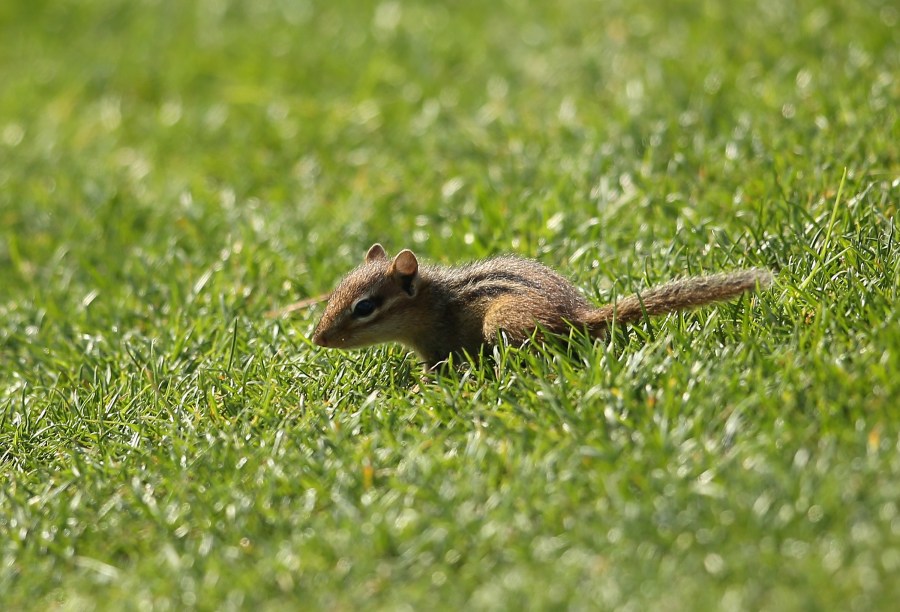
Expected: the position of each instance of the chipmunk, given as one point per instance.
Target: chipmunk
(440, 311)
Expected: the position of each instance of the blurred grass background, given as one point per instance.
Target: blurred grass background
(169, 171)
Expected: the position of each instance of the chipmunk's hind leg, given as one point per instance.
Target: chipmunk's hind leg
(507, 315)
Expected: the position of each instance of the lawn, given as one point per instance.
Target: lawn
(171, 171)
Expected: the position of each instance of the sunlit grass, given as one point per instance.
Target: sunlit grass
(172, 171)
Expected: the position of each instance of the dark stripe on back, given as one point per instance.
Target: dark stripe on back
(490, 276)
(489, 290)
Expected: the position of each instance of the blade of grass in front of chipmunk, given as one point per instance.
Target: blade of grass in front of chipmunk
(818, 264)
(306, 303)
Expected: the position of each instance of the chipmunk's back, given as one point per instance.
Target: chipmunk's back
(489, 279)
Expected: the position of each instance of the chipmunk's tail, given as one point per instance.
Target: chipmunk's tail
(678, 295)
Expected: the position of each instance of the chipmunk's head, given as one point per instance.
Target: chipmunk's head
(370, 303)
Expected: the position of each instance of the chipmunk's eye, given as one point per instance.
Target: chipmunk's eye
(364, 308)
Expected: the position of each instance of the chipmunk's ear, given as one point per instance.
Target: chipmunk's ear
(375, 253)
(405, 269)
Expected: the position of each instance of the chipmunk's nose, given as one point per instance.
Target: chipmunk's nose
(320, 340)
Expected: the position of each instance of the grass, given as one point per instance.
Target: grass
(170, 171)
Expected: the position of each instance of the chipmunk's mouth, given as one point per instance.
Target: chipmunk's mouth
(338, 341)
(330, 341)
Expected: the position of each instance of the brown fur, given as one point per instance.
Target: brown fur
(438, 311)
